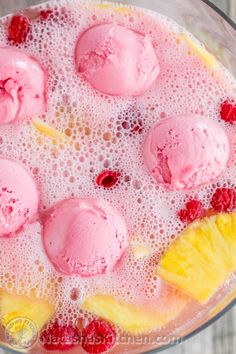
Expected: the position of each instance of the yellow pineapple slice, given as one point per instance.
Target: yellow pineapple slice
(7, 346)
(109, 6)
(141, 251)
(19, 307)
(200, 51)
(47, 130)
(139, 318)
(203, 257)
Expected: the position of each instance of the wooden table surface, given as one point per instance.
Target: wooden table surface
(221, 337)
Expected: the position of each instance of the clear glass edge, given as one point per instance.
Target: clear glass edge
(233, 303)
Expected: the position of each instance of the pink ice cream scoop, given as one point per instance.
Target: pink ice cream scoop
(84, 237)
(22, 85)
(186, 152)
(116, 60)
(19, 198)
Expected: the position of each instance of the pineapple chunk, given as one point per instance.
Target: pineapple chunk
(201, 52)
(13, 307)
(7, 346)
(203, 257)
(137, 319)
(47, 130)
(109, 6)
(141, 251)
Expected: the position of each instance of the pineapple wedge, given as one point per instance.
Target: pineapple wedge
(109, 6)
(201, 52)
(47, 130)
(7, 346)
(13, 307)
(141, 251)
(137, 319)
(202, 258)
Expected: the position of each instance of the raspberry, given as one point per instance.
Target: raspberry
(45, 14)
(18, 29)
(135, 127)
(108, 179)
(193, 210)
(98, 337)
(228, 111)
(224, 199)
(59, 337)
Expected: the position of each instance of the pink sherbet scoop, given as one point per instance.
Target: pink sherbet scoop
(84, 237)
(19, 198)
(22, 85)
(116, 60)
(186, 152)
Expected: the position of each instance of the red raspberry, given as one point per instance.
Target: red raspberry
(59, 337)
(228, 111)
(18, 29)
(98, 337)
(108, 179)
(45, 14)
(193, 210)
(135, 127)
(224, 199)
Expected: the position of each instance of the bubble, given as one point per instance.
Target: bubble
(74, 294)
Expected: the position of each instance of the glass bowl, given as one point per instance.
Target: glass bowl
(212, 27)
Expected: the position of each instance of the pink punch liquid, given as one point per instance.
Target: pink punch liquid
(89, 132)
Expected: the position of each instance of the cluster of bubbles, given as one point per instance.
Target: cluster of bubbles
(102, 133)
